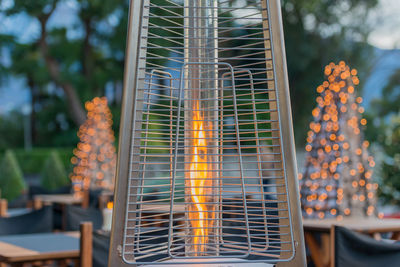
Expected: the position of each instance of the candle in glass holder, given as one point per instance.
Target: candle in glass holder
(107, 217)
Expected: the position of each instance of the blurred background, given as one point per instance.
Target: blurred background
(55, 55)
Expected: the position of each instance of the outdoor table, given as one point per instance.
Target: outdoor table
(320, 253)
(18, 249)
(63, 199)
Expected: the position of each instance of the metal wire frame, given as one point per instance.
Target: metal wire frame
(149, 227)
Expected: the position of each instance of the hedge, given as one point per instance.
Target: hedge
(33, 161)
(12, 183)
(54, 175)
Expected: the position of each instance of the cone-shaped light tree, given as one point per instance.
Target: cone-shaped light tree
(337, 179)
(94, 158)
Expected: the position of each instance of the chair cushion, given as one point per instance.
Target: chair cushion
(357, 250)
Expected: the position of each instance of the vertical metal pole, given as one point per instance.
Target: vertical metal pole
(122, 182)
(286, 128)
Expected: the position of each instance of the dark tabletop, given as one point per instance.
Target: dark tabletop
(39, 246)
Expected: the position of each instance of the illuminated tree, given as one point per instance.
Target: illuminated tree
(337, 181)
(94, 158)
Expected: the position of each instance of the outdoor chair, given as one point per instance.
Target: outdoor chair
(101, 246)
(352, 249)
(74, 215)
(37, 221)
(94, 246)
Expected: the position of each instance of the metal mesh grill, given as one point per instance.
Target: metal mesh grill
(207, 178)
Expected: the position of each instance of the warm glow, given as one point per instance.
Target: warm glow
(110, 205)
(94, 158)
(199, 179)
(336, 150)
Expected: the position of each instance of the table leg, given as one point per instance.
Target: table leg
(395, 236)
(326, 248)
(62, 263)
(63, 217)
(317, 254)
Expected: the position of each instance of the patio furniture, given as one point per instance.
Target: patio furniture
(75, 215)
(351, 249)
(97, 245)
(63, 199)
(19, 249)
(5, 211)
(101, 246)
(3, 207)
(86, 247)
(321, 251)
(37, 221)
(39, 190)
(59, 202)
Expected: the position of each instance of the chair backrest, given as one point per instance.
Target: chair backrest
(37, 221)
(74, 215)
(351, 249)
(3, 207)
(86, 244)
(94, 246)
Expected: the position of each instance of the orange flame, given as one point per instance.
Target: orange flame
(110, 205)
(199, 176)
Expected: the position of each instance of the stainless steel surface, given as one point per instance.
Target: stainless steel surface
(239, 204)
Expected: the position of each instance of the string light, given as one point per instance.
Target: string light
(337, 177)
(94, 157)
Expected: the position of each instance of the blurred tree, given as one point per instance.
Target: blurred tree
(94, 158)
(337, 177)
(86, 58)
(316, 33)
(11, 131)
(54, 175)
(390, 168)
(385, 131)
(81, 66)
(12, 182)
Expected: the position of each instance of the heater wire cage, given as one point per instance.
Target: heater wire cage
(207, 178)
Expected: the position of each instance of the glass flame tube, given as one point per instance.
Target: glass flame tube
(201, 128)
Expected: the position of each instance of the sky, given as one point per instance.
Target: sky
(385, 21)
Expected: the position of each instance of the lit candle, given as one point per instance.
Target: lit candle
(107, 216)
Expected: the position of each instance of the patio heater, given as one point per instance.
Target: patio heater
(206, 171)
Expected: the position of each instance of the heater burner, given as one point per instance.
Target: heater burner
(209, 176)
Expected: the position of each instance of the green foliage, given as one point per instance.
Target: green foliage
(54, 175)
(84, 64)
(315, 34)
(32, 161)
(11, 131)
(385, 131)
(12, 183)
(389, 189)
